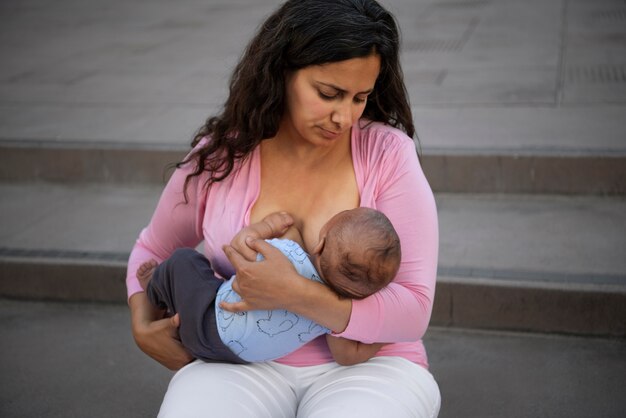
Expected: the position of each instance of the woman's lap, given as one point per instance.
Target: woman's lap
(383, 386)
(228, 390)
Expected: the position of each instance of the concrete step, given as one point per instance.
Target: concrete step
(456, 170)
(519, 262)
(59, 360)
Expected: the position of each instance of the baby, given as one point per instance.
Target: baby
(358, 253)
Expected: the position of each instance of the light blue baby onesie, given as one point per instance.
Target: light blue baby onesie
(257, 336)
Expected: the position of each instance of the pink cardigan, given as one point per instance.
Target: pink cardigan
(389, 178)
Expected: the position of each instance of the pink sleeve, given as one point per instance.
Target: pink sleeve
(401, 311)
(174, 224)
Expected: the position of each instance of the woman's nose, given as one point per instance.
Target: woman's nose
(342, 115)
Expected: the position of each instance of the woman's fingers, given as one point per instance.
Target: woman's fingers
(239, 244)
(235, 258)
(235, 307)
(261, 246)
(260, 284)
(157, 337)
(257, 245)
(160, 341)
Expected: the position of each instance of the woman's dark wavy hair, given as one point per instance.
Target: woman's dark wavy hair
(299, 34)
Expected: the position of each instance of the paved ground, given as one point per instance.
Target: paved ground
(79, 360)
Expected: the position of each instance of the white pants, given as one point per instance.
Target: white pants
(390, 387)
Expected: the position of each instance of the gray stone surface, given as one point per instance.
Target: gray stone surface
(544, 238)
(92, 218)
(534, 130)
(527, 375)
(502, 79)
(538, 76)
(553, 235)
(71, 360)
(461, 171)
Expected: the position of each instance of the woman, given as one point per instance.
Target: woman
(317, 122)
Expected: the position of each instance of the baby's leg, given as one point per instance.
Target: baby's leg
(145, 272)
(185, 284)
(183, 281)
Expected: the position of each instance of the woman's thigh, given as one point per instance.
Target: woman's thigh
(381, 387)
(228, 390)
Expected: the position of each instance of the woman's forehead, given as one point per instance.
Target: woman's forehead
(354, 75)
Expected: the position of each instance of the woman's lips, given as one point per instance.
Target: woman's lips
(328, 134)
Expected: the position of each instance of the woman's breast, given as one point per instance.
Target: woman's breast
(311, 207)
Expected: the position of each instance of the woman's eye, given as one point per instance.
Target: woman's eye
(326, 96)
(333, 96)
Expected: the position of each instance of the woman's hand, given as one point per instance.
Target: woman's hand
(266, 284)
(273, 225)
(158, 338)
(274, 283)
(348, 352)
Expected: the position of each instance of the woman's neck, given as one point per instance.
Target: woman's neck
(291, 147)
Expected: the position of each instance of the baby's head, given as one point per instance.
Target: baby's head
(358, 253)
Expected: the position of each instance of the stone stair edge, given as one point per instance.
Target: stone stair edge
(96, 145)
(458, 171)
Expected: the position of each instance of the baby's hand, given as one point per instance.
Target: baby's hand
(273, 225)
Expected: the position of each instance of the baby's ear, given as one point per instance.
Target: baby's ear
(319, 247)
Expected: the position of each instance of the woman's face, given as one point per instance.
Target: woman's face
(324, 101)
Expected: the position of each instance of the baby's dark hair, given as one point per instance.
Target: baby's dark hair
(361, 254)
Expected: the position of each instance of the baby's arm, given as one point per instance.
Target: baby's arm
(273, 225)
(348, 352)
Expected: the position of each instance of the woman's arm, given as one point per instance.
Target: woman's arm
(174, 224)
(401, 311)
(273, 283)
(348, 352)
